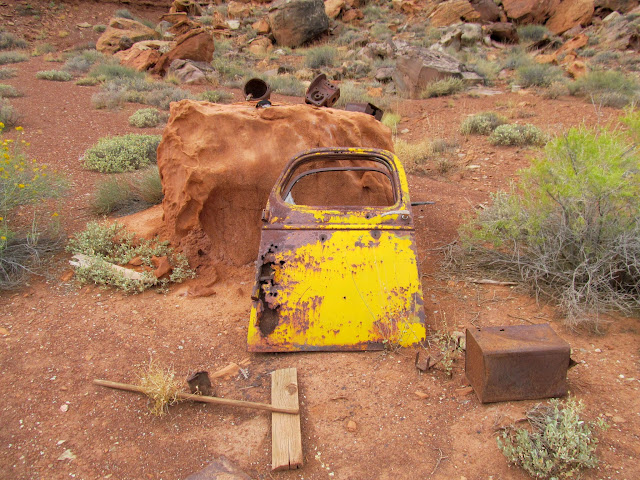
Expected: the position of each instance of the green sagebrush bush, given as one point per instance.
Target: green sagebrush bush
(122, 154)
(483, 123)
(570, 227)
(112, 244)
(517, 135)
(54, 75)
(146, 118)
(558, 444)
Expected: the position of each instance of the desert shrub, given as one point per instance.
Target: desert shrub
(606, 57)
(87, 82)
(323, 56)
(12, 57)
(9, 116)
(372, 12)
(8, 41)
(216, 96)
(110, 71)
(108, 98)
(162, 98)
(122, 154)
(43, 49)
(444, 87)
(7, 72)
(482, 123)
(559, 443)
(82, 62)
(352, 92)
(391, 120)
(414, 156)
(556, 89)
(607, 87)
(538, 75)
(146, 118)
(127, 194)
(287, 85)
(533, 33)
(100, 28)
(9, 91)
(223, 46)
(54, 75)
(569, 228)
(516, 58)
(24, 183)
(381, 32)
(123, 13)
(113, 244)
(517, 135)
(148, 186)
(232, 70)
(487, 70)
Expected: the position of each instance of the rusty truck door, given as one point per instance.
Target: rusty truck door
(337, 267)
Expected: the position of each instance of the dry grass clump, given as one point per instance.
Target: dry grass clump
(442, 88)
(160, 385)
(483, 123)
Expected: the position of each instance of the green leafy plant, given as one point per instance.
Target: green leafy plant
(54, 75)
(517, 135)
(444, 87)
(146, 118)
(122, 154)
(111, 244)
(483, 123)
(28, 184)
(559, 443)
(569, 228)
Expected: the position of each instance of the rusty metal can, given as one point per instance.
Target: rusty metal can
(516, 362)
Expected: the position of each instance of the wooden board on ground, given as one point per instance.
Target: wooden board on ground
(286, 448)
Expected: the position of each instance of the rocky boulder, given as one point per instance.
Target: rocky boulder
(122, 31)
(188, 71)
(197, 44)
(142, 55)
(189, 7)
(453, 11)
(218, 164)
(295, 22)
(488, 10)
(529, 11)
(416, 67)
(569, 14)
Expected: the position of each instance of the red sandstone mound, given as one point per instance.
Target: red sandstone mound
(218, 164)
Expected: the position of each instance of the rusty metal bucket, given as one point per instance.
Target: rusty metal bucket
(337, 266)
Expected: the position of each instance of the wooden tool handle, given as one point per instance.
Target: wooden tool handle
(201, 398)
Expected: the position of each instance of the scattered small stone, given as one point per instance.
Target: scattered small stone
(352, 426)
(67, 455)
(64, 408)
(617, 419)
(4, 332)
(404, 130)
(84, 25)
(421, 395)
(597, 350)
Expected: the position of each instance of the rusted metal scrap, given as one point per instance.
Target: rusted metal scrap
(321, 92)
(368, 108)
(256, 89)
(337, 277)
(516, 362)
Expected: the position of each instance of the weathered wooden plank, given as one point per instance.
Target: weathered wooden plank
(286, 447)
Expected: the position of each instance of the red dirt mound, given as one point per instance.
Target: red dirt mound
(218, 164)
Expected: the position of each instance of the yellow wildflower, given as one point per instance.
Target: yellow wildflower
(21, 185)
(3, 238)
(55, 214)
(19, 129)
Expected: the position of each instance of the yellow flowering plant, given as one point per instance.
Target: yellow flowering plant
(23, 182)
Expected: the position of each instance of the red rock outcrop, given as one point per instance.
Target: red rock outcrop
(570, 13)
(197, 45)
(121, 28)
(529, 11)
(453, 11)
(218, 164)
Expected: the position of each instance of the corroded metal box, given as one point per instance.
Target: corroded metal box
(516, 362)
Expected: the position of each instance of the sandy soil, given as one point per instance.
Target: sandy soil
(60, 337)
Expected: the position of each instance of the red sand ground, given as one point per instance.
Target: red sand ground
(61, 337)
